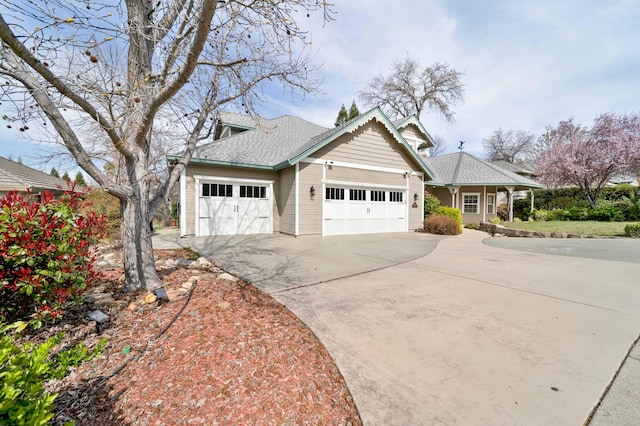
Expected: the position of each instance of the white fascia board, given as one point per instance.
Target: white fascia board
(312, 160)
(183, 203)
(228, 179)
(364, 185)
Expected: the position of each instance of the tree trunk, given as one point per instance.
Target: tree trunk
(137, 247)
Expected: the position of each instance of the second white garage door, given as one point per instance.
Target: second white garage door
(364, 211)
(234, 208)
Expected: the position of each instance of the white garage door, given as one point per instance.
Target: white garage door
(234, 208)
(364, 211)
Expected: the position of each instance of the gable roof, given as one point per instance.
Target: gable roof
(413, 119)
(18, 177)
(284, 141)
(463, 169)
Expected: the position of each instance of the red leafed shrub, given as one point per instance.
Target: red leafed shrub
(441, 225)
(45, 254)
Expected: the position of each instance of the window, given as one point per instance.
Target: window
(334, 193)
(395, 196)
(249, 191)
(378, 196)
(216, 190)
(357, 194)
(491, 203)
(470, 203)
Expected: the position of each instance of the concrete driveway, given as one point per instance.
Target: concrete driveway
(473, 334)
(280, 262)
(455, 331)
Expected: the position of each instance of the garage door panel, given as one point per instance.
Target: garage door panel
(379, 211)
(230, 209)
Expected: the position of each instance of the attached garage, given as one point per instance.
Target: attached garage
(353, 210)
(234, 208)
(291, 176)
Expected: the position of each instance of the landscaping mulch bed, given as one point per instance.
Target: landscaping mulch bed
(232, 356)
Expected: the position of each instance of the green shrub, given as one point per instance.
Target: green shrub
(45, 254)
(475, 226)
(101, 202)
(632, 230)
(431, 204)
(441, 225)
(453, 213)
(73, 357)
(496, 220)
(605, 212)
(558, 214)
(22, 372)
(578, 213)
(539, 215)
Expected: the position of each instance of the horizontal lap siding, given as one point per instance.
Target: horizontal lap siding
(370, 145)
(411, 131)
(226, 172)
(286, 200)
(310, 213)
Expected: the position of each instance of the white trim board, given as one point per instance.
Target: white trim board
(312, 160)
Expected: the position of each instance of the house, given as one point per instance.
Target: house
(472, 185)
(17, 177)
(291, 176)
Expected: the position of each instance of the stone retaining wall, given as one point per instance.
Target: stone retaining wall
(501, 231)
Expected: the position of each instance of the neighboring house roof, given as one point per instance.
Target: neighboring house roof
(463, 169)
(281, 142)
(623, 179)
(18, 177)
(524, 169)
(404, 122)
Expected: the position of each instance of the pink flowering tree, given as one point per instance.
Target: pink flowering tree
(589, 158)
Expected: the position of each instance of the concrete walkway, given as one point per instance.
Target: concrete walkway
(468, 334)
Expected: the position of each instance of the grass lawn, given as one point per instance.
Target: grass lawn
(581, 227)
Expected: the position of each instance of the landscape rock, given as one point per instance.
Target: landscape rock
(228, 277)
(149, 298)
(132, 306)
(224, 305)
(176, 293)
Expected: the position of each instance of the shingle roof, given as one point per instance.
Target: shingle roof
(463, 169)
(238, 120)
(285, 140)
(268, 145)
(521, 169)
(15, 176)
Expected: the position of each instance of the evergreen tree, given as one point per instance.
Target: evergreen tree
(66, 177)
(80, 179)
(353, 111)
(343, 116)
(54, 173)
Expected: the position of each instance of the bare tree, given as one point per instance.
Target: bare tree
(125, 68)
(438, 148)
(511, 145)
(411, 89)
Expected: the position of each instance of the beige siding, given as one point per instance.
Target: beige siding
(227, 172)
(415, 213)
(286, 200)
(411, 134)
(445, 198)
(310, 213)
(349, 174)
(370, 145)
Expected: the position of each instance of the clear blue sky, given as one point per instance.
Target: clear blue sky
(527, 64)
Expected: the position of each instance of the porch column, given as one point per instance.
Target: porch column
(484, 204)
(532, 200)
(510, 191)
(454, 199)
